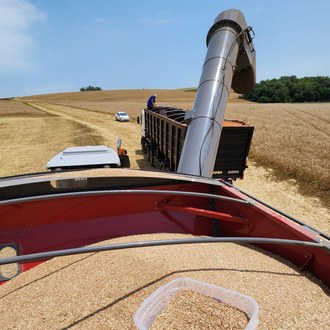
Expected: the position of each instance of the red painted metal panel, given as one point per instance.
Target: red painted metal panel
(73, 221)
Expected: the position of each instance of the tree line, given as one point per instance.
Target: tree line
(90, 88)
(290, 89)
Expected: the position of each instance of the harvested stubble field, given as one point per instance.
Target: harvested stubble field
(289, 159)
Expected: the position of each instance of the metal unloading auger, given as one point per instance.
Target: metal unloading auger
(229, 62)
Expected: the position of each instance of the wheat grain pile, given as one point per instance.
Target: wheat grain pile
(189, 309)
(104, 290)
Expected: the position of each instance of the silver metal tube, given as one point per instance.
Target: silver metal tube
(199, 240)
(204, 131)
(123, 192)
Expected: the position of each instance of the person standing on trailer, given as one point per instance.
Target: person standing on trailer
(151, 104)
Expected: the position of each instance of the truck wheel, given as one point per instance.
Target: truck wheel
(143, 145)
(150, 156)
(165, 165)
(125, 162)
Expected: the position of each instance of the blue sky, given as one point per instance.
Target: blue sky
(51, 46)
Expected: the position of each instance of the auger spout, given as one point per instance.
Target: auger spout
(229, 62)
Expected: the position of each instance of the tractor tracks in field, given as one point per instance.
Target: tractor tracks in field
(307, 118)
(99, 124)
(93, 120)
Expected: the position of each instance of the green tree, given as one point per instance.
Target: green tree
(291, 89)
(90, 88)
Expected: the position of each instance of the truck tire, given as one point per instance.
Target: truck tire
(125, 162)
(143, 145)
(165, 164)
(163, 167)
(150, 155)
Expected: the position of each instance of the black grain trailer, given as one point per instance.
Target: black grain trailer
(164, 131)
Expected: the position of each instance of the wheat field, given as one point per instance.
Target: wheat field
(291, 139)
(290, 146)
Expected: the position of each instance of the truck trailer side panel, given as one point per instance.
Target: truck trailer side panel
(165, 132)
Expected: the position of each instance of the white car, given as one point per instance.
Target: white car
(122, 116)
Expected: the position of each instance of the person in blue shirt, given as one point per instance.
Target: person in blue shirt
(151, 104)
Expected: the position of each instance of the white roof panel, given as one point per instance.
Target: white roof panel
(84, 156)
